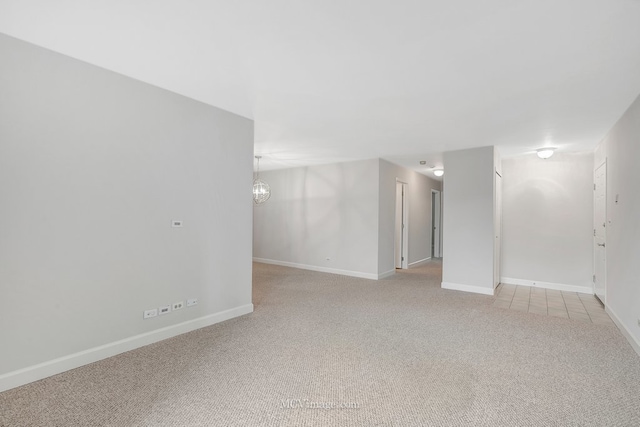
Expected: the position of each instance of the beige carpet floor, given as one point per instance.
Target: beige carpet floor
(323, 349)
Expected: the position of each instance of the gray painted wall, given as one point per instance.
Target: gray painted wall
(93, 167)
(320, 212)
(548, 219)
(622, 151)
(468, 214)
(419, 200)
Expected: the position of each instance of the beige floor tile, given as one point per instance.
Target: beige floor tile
(540, 306)
(575, 305)
(602, 321)
(556, 305)
(558, 313)
(549, 302)
(579, 316)
(591, 303)
(599, 316)
(502, 304)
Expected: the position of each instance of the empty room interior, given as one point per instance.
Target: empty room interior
(444, 227)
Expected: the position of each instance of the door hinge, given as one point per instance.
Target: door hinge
(594, 187)
(594, 232)
(402, 258)
(594, 278)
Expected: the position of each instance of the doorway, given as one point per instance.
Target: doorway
(401, 229)
(436, 224)
(600, 232)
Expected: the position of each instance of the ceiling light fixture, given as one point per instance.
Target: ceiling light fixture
(261, 190)
(545, 153)
(438, 172)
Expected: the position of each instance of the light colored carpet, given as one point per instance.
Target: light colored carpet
(402, 350)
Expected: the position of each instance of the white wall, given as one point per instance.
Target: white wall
(468, 220)
(320, 212)
(419, 227)
(548, 221)
(622, 150)
(93, 167)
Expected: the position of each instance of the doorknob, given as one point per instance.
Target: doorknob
(601, 244)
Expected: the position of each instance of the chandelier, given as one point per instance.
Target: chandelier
(261, 190)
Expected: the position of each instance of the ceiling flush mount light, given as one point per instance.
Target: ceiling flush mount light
(545, 153)
(261, 190)
(438, 172)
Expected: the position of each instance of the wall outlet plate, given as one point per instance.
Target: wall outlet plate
(178, 305)
(150, 313)
(176, 223)
(164, 310)
(191, 302)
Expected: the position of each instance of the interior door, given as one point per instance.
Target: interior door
(600, 233)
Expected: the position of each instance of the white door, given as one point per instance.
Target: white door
(401, 240)
(497, 255)
(436, 251)
(600, 232)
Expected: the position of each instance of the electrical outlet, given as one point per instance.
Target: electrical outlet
(191, 302)
(165, 310)
(176, 223)
(178, 305)
(150, 313)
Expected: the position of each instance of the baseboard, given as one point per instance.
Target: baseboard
(635, 343)
(467, 288)
(415, 263)
(547, 285)
(46, 369)
(359, 274)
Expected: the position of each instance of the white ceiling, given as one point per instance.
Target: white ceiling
(329, 80)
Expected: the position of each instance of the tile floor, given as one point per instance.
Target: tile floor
(547, 302)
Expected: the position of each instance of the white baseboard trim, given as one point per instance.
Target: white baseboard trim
(635, 343)
(413, 264)
(56, 366)
(387, 274)
(547, 285)
(359, 274)
(467, 288)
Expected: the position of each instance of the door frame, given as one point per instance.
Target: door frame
(595, 238)
(404, 235)
(436, 250)
(497, 229)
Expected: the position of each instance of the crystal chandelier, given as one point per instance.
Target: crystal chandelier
(261, 190)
